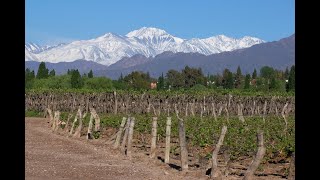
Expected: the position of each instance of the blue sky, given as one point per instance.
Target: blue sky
(54, 21)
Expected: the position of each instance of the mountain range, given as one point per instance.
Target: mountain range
(147, 41)
(277, 54)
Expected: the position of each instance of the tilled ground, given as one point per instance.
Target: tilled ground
(51, 155)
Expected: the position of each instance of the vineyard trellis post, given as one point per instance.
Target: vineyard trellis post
(78, 131)
(291, 175)
(183, 144)
(168, 133)
(119, 133)
(129, 146)
(67, 124)
(154, 137)
(125, 136)
(215, 173)
(258, 158)
(115, 102)
(55, 122)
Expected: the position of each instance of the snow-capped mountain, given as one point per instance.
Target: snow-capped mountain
(147, 41)
(36, 48)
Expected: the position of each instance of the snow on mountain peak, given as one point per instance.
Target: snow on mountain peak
(36, 48)
(147, 32)
(148, 41)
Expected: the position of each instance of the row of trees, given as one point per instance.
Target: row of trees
(269, 79)
(73, 79)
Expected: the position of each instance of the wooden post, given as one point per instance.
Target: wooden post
(182, 140)
(227, 113)
(283, 114)
(249, 174)
(55, 121)
(186, 110)
(292, 169)
(117, 142)
(276, 109)
(125, 136)
(89, 133)
(129, 147)
(87, 103)
(96, 119)
(149, 107)
(214, 112)
(75, 120)
(192, 108)
(220, 110)
(154, 110)
(159, 110)
(78, 131)
(73, 104)
(168, 133)
(53, 126)
(58, 122)
(264, 111)
(229, 101)
(154, 137)
(240, 114)
(50, 115)
(115, 102)
(73, 124)
(215, 173)
(44, 113)
(67, 124)
(201, 111)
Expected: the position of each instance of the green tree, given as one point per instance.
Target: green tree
(98, 83)
(272, 85)
(40, 83)
(254, 74)
(59, 82)
(52, 73)
(247, 82)
(193, 76)
(228, 79)
(90, 74)
(238, 78)
(286, 74)
(29, 75)
(175, 79)
(160, 84)
(76, 81)
(29, 78)
(262, 84)
(292, 79)
(147, 76)
(138, 80)
(117, 84)
(43, 72)
(218, 80)
(121, 77)
(267, 72)
(199, 87)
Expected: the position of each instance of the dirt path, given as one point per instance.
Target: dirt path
(55, 156)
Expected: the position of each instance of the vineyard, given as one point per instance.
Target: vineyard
(213, 133)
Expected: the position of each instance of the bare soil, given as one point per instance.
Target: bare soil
(51, 155)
